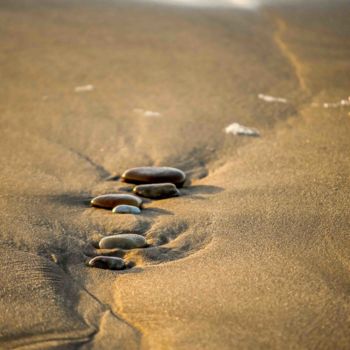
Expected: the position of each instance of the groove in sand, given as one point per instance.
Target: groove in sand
(288, 53)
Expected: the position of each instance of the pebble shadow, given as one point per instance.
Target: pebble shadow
(154, 212)
(131, 269)
(200, 189)
(71, 200)
(113, 177)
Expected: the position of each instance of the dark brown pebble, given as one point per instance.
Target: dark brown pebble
(107, 262)
(109, 201)
(150, 175)
(157, 191)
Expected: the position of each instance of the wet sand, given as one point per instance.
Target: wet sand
(254, 254)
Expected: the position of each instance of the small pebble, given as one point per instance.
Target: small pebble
(157, 191)
(123, 241)
(107, 262)
(150, 175)
(126, 209)
(109, 201)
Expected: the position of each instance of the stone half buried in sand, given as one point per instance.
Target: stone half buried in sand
(110, 201)
(126, 209)
(107, 262)
(151, 175)
(123, 241)
(157, 191)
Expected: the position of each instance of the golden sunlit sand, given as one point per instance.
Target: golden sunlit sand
(254, 253)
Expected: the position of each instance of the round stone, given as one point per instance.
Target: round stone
(109, 201)
(126, 209)
(107, 262)
(149, 175)
(123, 241)
(157, 191)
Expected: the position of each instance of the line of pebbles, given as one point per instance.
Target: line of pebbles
(151, 182)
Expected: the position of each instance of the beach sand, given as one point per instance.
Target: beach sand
(255, 254)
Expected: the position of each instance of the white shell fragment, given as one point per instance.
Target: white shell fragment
(237, 129)
(149, 114)
(84, 88)
(270, 99)
(341, 103)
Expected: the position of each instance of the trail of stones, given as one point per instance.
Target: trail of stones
(124, 249)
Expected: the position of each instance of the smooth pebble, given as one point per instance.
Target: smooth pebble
(107, 262)
(157, 191)
(150, 175)
(126, 209)
(123, 241)
(109, 201)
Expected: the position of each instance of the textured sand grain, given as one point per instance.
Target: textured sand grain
(255, 254)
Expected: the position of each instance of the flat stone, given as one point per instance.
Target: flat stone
(126, 209)
(109, 201)
(107, 262)
(151, 175)
(157, 191)
(123, 241)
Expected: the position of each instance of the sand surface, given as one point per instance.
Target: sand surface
(255, 254)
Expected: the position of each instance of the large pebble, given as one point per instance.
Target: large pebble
(157, 191)
(107, 262)
(123, 241)
(126, 209)
(109, 201)
(149, 175)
